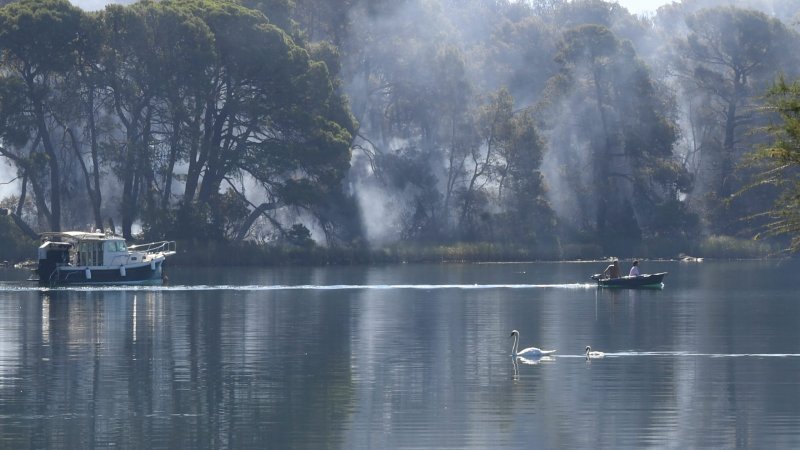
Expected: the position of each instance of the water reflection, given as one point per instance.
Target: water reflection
(132, 369)
(700, 363)
(519, 360)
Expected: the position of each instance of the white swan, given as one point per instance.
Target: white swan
(593, 355)
(530, 352)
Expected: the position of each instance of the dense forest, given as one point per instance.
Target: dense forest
(538, 129)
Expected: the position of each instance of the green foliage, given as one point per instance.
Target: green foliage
(675, 221)
(779, 161)
(39, 44)
(40, 36)
(217, 220)
(507, 130)
(730, 55)
(731, 247)
(299, 236)
(14, 246)
(14, 127)
(626, 146)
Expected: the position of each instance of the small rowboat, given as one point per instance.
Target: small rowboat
(654, 280)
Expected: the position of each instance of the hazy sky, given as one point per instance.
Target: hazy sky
(91, 5)
(642, 6)
(634, 6)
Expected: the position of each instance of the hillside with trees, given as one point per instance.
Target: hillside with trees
(542, 129)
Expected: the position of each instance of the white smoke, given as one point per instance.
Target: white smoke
(380, 212)
(9, 184)
(97, 5)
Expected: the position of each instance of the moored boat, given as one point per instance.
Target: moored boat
(654, 280)
(75, 257)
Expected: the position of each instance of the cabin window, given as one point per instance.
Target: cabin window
(90, 253)
(116, 246)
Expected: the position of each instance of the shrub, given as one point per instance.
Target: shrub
(731, 247)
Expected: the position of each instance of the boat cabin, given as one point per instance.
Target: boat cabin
(88, 249)
(104, 252)
(78, 257)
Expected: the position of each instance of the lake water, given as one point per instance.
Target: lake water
(405, 356)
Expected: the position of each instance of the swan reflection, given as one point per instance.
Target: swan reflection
(530, 361)
(593, 355)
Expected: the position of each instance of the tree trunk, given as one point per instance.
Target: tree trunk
(55, 172)
(173, 157)
(128, 194)
(728, 145)
(216, 162)
(23, 192)
(97, 200)
(27, 230)
(602, 163)
(452, 175)
(198, 154)
(251, 219)
(98, 221)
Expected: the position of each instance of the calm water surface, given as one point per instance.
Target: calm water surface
(405, 356)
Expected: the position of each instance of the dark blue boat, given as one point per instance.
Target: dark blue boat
(75, 257)
(654, 280)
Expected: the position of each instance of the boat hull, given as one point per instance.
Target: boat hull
(651, 281)
(140, 274)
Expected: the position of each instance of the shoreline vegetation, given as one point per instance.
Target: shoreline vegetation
(498, 131)
(248, 254)
(16, 248)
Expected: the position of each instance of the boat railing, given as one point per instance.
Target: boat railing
(150, 248)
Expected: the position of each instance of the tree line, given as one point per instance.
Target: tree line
(118, 100)
(563, 128)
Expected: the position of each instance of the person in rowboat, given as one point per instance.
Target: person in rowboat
(612, 271)
(634, 269)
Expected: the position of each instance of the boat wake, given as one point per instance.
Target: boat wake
(692, 354)
(305, 287)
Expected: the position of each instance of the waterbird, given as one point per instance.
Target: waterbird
(530, 352)
(593, 355)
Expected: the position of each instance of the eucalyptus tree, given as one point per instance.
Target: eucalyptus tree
(15, 133)
(456, 138)
(609, 14)
(39, 40)
(130, 68)
(266, 110)
(483, 171)
(83, 125)
(610, 136)
(519, 57)
(586, 53)
(729, 56)
(504, 195)
(323, 20)
(183, 56)
(527, 216)
(408, 88)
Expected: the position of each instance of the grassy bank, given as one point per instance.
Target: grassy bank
(16, 248)
(249, 254)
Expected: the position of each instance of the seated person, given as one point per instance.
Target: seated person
(612, 271)
(634, 270)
